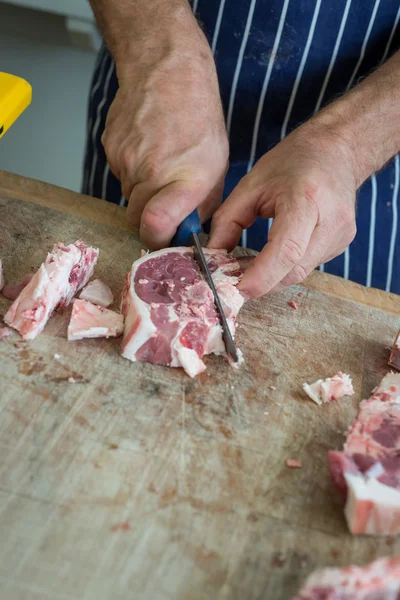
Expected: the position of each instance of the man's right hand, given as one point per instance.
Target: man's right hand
(165, 138)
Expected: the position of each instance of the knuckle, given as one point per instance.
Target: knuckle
(291, 253)
(345, 216)
(299, 273)
(126, 158)
(152, 168)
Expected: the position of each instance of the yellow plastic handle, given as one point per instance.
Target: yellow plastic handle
(15, 97)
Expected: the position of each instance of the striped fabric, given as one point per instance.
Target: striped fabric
(279, 62)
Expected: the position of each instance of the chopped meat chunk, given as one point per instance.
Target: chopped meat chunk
(5, 332)
(379, 580)
(332, 388)
(65, 271)
(11, 291)
(1, 276)
(293, 463)
(293, 305)
(97, 292)
(91, 321)
(394, 360)
(367, 472)
(170, 316)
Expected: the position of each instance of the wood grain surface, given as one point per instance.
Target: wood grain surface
(138, 482)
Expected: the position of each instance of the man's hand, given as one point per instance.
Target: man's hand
(165, 136)
(165, 139)
(308, 184)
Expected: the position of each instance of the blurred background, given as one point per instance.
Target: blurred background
(53, 45)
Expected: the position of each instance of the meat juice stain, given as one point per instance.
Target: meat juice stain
(124, 526)
(113, 447)
(28, 368)
(278, 560)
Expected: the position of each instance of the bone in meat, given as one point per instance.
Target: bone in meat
(65, 271)
(170, 316)
(367, 471)
(91, 321)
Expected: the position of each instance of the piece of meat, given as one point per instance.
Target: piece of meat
(367, 471)
(293, 304)
(379, 580)
(170, 316)
(11, 291)
(5, 332)
(293, 463)
(65, 271)
(332, 388)
(98, 293)
(394, 360)
(91, 321)
(1, 276)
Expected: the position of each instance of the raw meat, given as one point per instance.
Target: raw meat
(379, 580)
(11, 291)
(293, 463)
(170, 316)
(394, 360)
(332, 388)
(91, 321)
(1, 276)
(65, 271)
(367, 472)
(97, 292)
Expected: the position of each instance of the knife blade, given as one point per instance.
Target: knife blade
(187, 235)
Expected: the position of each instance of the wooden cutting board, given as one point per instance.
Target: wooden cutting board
(138, 482)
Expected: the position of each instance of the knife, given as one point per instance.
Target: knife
(187, 234)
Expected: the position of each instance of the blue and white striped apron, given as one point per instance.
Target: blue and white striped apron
(278, 62)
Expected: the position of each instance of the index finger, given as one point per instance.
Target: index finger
(288, 241)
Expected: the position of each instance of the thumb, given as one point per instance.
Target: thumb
(166, 210)
(238, 212)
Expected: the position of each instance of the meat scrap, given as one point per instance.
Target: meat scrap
(379, 580)
(98, 293)
(293, 304)
(91, 321)
(11, 291)
(170, 316)
(1, 276)
(394, 360)
(332, 388)
(292, 463)
(367, 471)
(65, 271)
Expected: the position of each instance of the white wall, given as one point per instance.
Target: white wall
(47, 141)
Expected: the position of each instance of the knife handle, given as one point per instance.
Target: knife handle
(183, 235)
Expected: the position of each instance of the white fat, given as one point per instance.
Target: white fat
(375, 471)
(97, 292)
(189, 360)
(313, 391)
(91, 321)
(372, 508)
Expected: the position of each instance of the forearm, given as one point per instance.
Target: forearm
(146, 30)
(366, 120)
